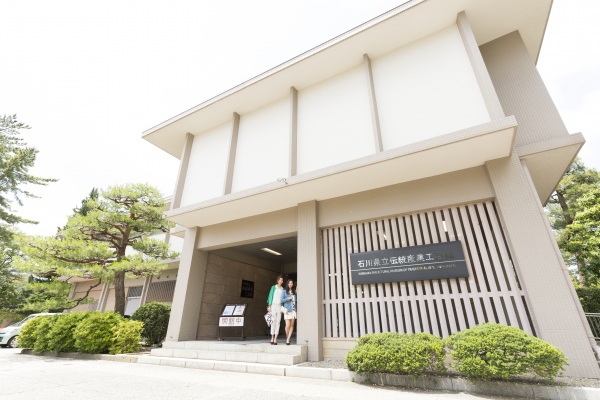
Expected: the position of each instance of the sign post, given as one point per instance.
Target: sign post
(232, 316)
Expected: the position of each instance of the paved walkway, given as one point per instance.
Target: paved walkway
(27, 377)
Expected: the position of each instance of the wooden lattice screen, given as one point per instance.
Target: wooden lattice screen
(491, 293)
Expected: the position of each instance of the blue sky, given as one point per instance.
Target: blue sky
(91, 76)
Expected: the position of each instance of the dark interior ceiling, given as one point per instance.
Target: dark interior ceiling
(288, 247)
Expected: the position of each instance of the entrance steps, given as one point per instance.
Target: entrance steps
(229, 356)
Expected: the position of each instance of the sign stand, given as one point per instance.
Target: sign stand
(232, 316)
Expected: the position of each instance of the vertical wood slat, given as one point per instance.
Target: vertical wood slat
(373, 293)
(442, 307)
(410, 328)
(455, 284)
(455, 231)
(326, 280)
(339, 287)
(508, 269)
(499, 267)
(397, 296)
(478, 278)
(351, 316)
(492, 299)
(384, 226)
(360, 305)
(365, 289)
(436, 284)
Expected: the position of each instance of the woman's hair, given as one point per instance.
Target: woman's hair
(287, 287)
(278, 277)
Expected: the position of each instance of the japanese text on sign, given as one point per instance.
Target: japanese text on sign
(431, 261)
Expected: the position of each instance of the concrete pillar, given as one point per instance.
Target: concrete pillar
(185, 310)
(310, 281)
(540, 267)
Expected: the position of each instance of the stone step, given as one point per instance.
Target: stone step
(259, 353)
(281, 348)
(253, 368)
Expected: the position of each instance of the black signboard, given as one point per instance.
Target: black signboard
(430, 261)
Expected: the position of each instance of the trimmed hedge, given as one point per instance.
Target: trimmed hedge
(155, 317)
(126, 337)
(495, 351)
(413, 354)
(28, 334)
(87, 332)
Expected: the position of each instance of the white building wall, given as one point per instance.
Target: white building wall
(205, 178)
(426, 89)
(334, 121)
(262, 153)
(176, 243)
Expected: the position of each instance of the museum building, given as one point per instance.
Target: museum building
(399, 170)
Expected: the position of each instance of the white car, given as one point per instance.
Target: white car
(9, 334)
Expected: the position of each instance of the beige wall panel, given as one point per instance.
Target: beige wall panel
(426, 89)
(276, 224)
(262, 154)
(205, 178)
(521, 90)
(166, 275)
(222, 286)
(80, 290)
(337, 349)
(443, 190)
(110, 300)
(334, 121)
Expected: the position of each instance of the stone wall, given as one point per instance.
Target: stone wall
(223, 286)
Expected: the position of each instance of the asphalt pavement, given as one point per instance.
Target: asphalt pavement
(30, 377)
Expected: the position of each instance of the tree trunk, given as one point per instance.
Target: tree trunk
(120, 292)
(565, 207)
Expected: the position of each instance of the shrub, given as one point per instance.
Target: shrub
(126, 337)
(395, 353)
(155, 317)
(61, 338)
(42, 341)
(28, 334)
(494, 351)
(94, 333)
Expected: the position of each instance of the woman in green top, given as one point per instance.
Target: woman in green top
(274, 307)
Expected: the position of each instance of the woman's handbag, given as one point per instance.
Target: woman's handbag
(268, 319)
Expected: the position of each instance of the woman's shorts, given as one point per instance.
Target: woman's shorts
(289, 315)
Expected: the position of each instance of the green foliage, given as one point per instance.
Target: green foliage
(571, 213)
(590, 299)
(15, 161)
(43, 336)
(155, 317)
(29, 332)
(9, 316)
(395, 353)
(61, 335)
(87, 332)
(93, 244)
(49, 295)
(582, 236)
(494, 351)
(126, 337)
(11, 281)
(94, 334)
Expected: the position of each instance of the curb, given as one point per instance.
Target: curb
(490, 388)
(452, 384)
